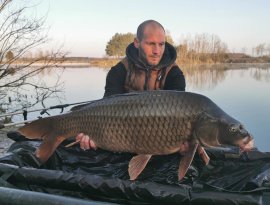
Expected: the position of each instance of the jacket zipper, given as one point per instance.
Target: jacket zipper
(146, 78)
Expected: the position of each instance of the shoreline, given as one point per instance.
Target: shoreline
(108, 64)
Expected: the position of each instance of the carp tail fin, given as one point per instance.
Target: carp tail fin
(43, 129)
(38, 128)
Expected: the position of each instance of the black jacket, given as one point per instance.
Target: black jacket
(116, 77)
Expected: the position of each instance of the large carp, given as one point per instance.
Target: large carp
(147, 123)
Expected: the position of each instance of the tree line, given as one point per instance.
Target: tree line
(193, 49)
(200, 48)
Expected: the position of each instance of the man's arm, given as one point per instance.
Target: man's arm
(115, 80)
(175, 80)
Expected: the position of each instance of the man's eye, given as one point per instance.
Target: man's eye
(150, 44)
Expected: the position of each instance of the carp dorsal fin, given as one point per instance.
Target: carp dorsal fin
(186, 160)
(137, 165)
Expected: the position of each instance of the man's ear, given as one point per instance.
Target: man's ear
(136, 42)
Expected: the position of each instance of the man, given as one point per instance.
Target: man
(149, 65)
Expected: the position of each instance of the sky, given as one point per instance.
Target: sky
(85, 26)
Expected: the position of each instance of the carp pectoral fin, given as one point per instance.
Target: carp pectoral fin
(186, 161)
(48, 146)
(203, 154)
(137, 165)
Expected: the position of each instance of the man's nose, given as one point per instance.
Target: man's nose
(156, 49)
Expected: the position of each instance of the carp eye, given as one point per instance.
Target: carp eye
(233, 129)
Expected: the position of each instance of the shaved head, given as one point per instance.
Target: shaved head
(149, 23)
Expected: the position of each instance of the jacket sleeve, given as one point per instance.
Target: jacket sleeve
(175, 80)
(115, 80)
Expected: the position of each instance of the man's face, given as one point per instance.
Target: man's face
(152, 46)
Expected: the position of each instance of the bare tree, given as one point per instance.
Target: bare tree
(244, 50)
(168, 37)
(260, 49)
(268, 49)
(201, 48)
(20, 33)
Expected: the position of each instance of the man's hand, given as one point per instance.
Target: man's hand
(85, 142)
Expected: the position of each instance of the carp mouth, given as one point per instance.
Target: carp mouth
(246, 143)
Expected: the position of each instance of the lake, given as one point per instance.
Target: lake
(240, 90)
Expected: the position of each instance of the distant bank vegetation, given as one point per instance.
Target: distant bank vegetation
(193, 49)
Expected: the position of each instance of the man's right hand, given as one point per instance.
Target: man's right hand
(85, 142)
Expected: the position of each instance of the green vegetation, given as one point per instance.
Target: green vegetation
(117, 45)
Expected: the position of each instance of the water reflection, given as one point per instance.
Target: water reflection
(260, 74)
(203, 77)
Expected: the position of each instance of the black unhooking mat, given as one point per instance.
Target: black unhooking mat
(73, 176)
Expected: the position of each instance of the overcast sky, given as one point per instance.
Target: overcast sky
(85, 26)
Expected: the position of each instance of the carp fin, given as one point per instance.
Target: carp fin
(186, 161)
(137, 165)
(37, 129)
(203, 154)
(43, 129)
(48, 146)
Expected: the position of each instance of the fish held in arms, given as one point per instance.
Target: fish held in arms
(146, 123)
